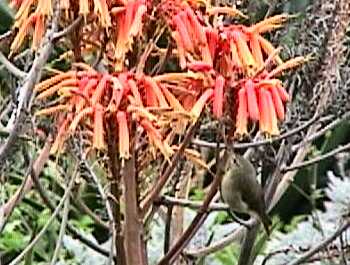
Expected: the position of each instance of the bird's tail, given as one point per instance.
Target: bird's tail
(266, 221)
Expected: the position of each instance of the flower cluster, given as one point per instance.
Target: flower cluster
(89, 98)
(217, 62)
(122, 19)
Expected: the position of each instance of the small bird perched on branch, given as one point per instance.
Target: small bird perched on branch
(241, 190)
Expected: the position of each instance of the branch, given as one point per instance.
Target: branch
(11, 67)
(133, 225)
(237, 146)
(18, 259)
(68, 29)
(162, 180)
(108, 208)
(195, 205)
(201, 215)
(303, 258)
(115, 180)
(26, 91)
(317, 159)
(27, 184)
(321, 132)
(62, 228)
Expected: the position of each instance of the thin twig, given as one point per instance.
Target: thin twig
(322, 131)
(26, 91)
(237, 146)
(68, 29)
(27, 184)
(195, 205)
(201, 215)
(18, 259)
(85, 209)
(317, 159)
(62, 228)
(162, 180)
(307, 255)
(43, 194)
(11, 67)
(108, 207)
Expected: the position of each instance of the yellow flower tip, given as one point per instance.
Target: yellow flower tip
(124, 142)
(200, 104)
(156, 138)
(292, 63)
(52, 110)
(231, 11)
(101, 9)
(60, 137)
(141, 112)
(84, 8)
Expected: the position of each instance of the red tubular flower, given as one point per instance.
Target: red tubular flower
(277, 101)
(124, 143)
(154, 93)
(38, 31)
(98, 136)
(100, 89)
(283, 93)
(273, 126)
(60, 137)
(183, 33)
(156, 138)
(199, 66)
(101, 9)
(75, 122)
(253, 109)
(52, 90)
(264, 121)
(244, 52)
(218, 100)
(180, 49)
(242, 113)
(256, 50)
(135, 92)
(213, 39)
(197, 27)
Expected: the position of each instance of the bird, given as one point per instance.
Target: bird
(241, 190)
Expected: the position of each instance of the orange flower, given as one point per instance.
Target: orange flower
(200, 104)
(244, 52)
(101, 9)
(98, 137)
(38, 31)
(124, 143)
(156, 138)
(252, 101)
(242, 113)
(130, 24)
(218, 101)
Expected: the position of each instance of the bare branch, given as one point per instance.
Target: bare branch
(11, 67)
(317, 159)
(307, 255)
(108, 207)
(147, 202)
(26, 91)
(62, 230)
(195, 205)
(18, 259)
